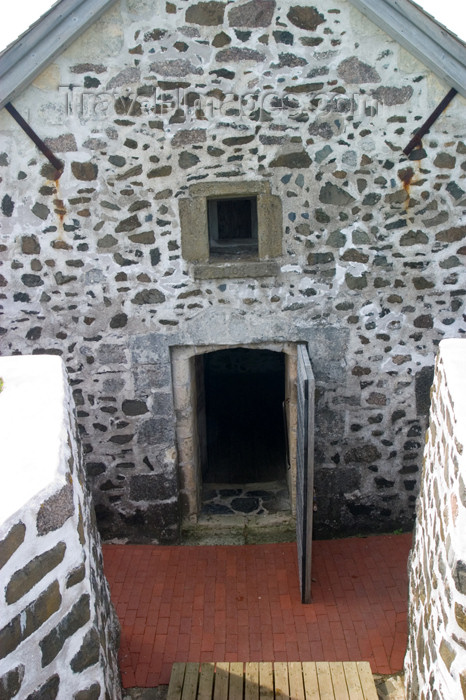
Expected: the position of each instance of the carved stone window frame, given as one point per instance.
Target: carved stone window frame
(195, 232)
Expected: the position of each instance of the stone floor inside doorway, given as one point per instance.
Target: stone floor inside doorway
(242, 603)
(261, 499)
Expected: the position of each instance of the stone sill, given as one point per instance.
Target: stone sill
(232, 270)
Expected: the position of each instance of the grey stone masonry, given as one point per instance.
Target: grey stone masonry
(160, 107)
(435, 664)
(59, 633)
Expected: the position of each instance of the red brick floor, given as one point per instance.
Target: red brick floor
(242, 603)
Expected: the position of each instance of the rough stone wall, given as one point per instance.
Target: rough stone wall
(318, 103)
(435, 663)
(59, 632)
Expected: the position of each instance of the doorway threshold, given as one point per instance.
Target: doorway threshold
(239, 514)
(263, 498)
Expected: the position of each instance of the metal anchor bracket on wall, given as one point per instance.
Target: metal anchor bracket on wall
(422, 131)
(57, 164)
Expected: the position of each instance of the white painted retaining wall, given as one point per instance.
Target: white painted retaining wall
(59, 632)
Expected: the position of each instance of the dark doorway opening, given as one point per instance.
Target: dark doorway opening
(245, 435)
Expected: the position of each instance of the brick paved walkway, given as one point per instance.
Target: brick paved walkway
(242, 603)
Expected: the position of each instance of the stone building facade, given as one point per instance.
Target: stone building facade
(129, 264)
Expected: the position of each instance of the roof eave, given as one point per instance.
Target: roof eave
(419, 33)
(28, 56)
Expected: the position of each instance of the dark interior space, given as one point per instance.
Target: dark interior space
(232, 226)
(245, 436)
(234, 218)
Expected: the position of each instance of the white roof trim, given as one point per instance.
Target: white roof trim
(432, 43)
(22, 61)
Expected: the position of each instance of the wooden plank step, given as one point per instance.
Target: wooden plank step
(266, 680)
(175, 687)
(206, 681)
(367, 680)
(222, 671)
(352, 681)
(337, 673)
(251, 681)
(295, 671)
(325, 681)
(293, 680)
(236, 684)
(282, 686)
(311, 684)
(191, 680)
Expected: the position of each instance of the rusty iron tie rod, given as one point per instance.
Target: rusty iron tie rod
(416, 140)
(57, 164)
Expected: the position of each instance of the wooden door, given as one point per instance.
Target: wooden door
(305, 470)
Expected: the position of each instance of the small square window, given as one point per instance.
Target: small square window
(232, 225)
(231, 229)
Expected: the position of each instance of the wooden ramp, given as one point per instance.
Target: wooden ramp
(292, 680)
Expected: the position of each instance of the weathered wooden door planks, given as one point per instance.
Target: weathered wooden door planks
(305, 470)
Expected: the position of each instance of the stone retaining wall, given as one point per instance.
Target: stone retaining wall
(59, 632)
(436, 659)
